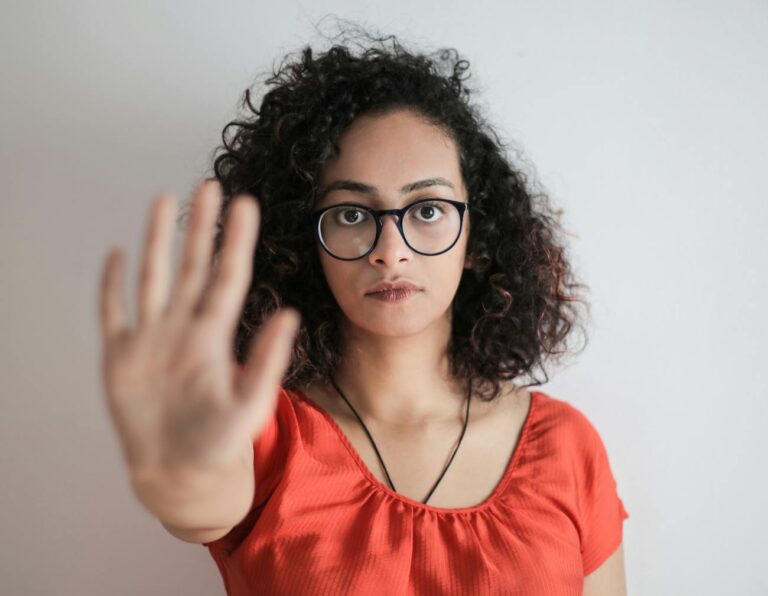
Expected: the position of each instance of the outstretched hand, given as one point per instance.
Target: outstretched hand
(175, 394)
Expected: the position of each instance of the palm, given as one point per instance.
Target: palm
(174, 393)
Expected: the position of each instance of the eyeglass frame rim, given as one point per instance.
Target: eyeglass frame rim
(461, 206)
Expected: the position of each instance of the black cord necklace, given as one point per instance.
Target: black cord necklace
(370, 438)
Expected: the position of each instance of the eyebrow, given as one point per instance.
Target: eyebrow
(372, 191)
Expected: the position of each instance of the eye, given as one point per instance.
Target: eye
(429, 211)
(350, 216)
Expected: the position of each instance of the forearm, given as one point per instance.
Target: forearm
(197, 501)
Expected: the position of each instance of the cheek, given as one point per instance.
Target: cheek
(340, 275)
(445, 276)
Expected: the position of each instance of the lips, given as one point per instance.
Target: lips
(393, 286)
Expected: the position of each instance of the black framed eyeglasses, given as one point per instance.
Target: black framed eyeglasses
(350, 231)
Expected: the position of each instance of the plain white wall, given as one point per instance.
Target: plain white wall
(646, 121)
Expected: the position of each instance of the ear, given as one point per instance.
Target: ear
(468, 262)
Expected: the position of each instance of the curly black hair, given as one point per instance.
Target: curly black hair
(514, 307)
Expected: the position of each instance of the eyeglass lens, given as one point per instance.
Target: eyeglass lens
(429, 227)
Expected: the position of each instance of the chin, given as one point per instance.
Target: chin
(389, 326)
(393, 331)
(402, 323)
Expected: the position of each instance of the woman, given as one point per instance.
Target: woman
(369, 438)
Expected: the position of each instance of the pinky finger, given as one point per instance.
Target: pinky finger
(113, 318)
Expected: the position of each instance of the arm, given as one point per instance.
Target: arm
(608, 579)
(200, 536)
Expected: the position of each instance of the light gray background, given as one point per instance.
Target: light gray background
(646, 121)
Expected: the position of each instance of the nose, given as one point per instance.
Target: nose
(391, 247)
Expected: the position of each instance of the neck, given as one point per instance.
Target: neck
(400, 381)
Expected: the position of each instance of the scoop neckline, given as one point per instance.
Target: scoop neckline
(380, 486)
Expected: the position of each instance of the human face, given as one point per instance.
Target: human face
(388, 152)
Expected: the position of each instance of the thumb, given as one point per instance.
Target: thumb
(267, 363)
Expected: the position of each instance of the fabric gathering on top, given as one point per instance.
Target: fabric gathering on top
(321, 522)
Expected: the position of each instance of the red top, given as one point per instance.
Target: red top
(321, 523)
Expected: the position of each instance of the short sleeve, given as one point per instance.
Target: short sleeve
(270, 452)
(601, 509)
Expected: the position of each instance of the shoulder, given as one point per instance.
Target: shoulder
(307, 415)
(566, 427)
(567, 417)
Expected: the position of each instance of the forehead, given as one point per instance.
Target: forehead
(392, 150)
